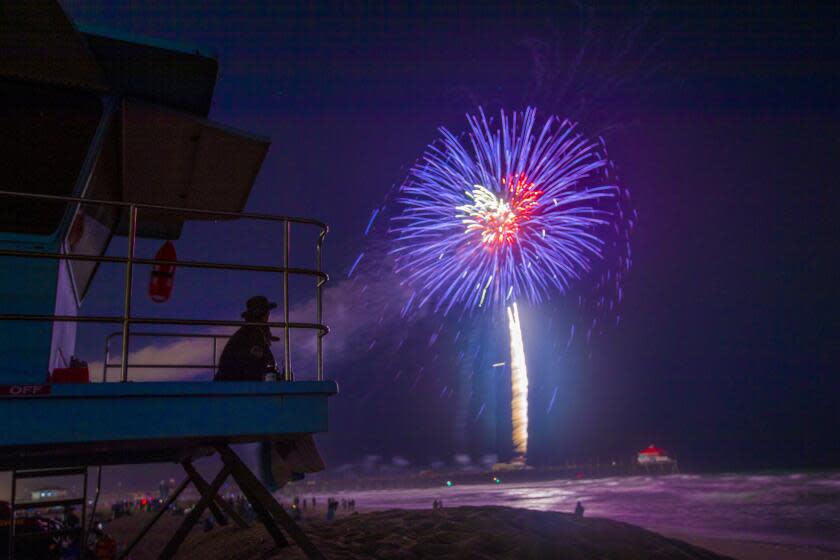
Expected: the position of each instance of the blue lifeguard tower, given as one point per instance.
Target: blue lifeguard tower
(107, 141)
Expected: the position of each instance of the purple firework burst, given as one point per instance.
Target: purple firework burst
(506, 211)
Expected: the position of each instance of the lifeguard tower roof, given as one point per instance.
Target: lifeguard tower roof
(105, 135)
(159, 144)
(178, 76)
(43, 45)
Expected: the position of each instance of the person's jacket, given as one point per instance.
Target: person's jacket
(247, 355)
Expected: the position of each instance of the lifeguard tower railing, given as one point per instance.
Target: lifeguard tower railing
(214, 339)
(127, 319)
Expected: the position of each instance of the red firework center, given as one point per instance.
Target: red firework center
(499, 218)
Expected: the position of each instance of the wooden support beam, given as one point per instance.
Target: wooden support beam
(169, 501)
(194, 515)
(265, 517)
(203, 489)
(218, 502)
(258, 494)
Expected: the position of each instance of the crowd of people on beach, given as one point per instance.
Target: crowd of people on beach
(300, 505)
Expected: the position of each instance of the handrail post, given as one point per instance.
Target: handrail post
(215, 367)
(107, 359)
(132, 232)
(287, 356)
(319, 310)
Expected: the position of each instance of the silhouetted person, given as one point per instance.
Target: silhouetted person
(105, 547)
(71, 520)
(247, 355)
(332, 505)
(579, 509)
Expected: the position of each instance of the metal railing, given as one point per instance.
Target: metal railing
(126, 319)
(108, 364)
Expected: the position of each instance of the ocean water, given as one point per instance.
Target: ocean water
(788, 508)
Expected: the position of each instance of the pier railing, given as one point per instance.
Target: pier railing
(126, 320)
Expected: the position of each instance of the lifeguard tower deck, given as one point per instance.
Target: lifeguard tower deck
(108, 142)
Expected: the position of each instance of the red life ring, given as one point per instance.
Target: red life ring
(163, 275)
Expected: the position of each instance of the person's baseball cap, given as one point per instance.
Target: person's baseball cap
(258, 305)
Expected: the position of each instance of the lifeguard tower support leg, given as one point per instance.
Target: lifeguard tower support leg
(163, 509)
(204, 489)
(270, 513)
(194, 515)
(257, 494)
(217, 501)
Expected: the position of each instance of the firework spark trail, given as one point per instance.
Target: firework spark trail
(506, 214)
(519, 383)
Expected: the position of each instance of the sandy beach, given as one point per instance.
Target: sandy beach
(734, 516)
(465, 532)
(487, 532)
(752, 550)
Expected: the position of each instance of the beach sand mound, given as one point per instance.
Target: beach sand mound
(465, 532)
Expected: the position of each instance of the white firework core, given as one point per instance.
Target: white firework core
(519, 382)
(487, 214)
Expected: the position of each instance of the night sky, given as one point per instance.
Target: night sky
(723, 124)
